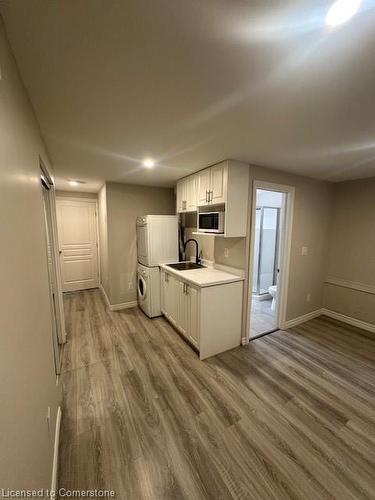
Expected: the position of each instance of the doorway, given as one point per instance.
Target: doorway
(272, 211)
(78, 243)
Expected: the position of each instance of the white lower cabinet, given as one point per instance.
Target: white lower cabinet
(179, 304)
(208, 317)
(169, 297)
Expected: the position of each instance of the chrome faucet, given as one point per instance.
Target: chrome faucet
(197, 259)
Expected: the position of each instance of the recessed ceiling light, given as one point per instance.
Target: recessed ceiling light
(73, 182)
(341, 11)
(148, 162)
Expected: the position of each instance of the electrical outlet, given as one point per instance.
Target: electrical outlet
(226, 252)
(308, 297)
(130, 285)
(304, 251)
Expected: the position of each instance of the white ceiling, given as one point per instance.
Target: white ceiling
(190, 83)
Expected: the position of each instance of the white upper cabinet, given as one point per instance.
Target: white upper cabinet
(218, 183)
(212, 185)
(204, 183)
(226, 183)
(191, 193)
(187, 194)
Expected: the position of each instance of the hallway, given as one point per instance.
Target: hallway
(289, 416)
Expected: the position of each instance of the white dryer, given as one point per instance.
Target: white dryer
(157, 239)
(148, 288)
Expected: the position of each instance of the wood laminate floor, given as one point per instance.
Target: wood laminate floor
(291, 416)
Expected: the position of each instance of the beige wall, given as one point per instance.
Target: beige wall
(351, 251)
(27, 375)
(103, 238)
(125, 203)
(312, 213)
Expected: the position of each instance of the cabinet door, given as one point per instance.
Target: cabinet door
(203, 186)
(191, 193)
(193, 315)
(162, 291)
(218, 184)
(181, 198)
(173, 296)
(170, 297)
(182, 321)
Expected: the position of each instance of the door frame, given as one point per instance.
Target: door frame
(285, 251)
(61, 331)
(91, 200)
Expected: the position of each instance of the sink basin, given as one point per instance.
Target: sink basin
(185, 266)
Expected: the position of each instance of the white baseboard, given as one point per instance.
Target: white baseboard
(124, 305)
(349, 320)
(55, 465)
(302, 319)
(117, 307)
(331, 314)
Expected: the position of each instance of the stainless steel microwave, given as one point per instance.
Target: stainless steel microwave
(211, 222)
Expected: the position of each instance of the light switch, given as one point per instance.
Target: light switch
(304, 251)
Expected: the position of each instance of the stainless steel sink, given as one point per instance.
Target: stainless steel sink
(185, 266)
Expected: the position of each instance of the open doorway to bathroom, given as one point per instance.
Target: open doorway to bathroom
(269, 257)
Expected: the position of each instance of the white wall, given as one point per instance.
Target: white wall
(27, 375)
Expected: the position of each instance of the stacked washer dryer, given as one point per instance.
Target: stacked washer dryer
(157, 243)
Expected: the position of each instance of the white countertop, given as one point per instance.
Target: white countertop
(205, 276)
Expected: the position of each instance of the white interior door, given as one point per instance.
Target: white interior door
(78, 246)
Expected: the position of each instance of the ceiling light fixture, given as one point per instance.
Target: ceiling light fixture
(73, 182)
(341, 11)
(148, 162)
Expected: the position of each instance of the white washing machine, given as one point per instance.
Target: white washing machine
(148, 287)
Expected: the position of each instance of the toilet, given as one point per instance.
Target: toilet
(272, 291)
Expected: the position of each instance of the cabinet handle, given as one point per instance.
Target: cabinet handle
(166, 277)
(211, 196)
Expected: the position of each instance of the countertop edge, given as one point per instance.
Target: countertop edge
(180, 274)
